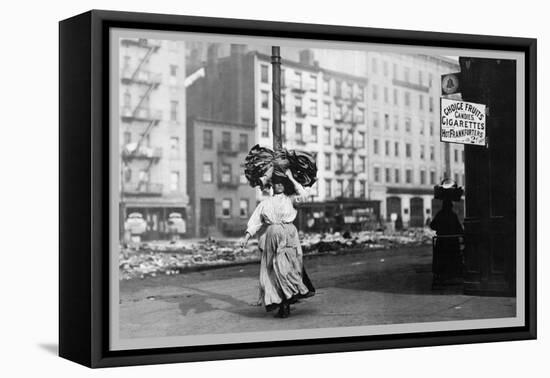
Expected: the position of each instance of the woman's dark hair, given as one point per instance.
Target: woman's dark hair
(288, 186)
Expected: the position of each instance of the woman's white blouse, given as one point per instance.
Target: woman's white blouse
(276, 209)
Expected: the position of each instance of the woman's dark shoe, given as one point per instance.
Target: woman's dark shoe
(284, 310)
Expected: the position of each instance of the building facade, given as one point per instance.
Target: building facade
(152, 132)
(221, 200)
(405, 153)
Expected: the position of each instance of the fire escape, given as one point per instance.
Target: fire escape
(348, 117)
(141, 114)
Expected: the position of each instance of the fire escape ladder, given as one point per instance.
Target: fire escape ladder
(147, 93)
(148, 54)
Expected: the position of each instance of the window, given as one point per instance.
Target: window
(328, 188)
(396, 122)
(243, 142)
(350, 164)
(432, 153)
(395, 97)
(338, 140)
(314, 134)
(243, 208)
(374, 65)
(456, 156)
(386, 121)
(298, 105)
(265, 99)
(173, 70)
(350, 190)
(127, 99)
(283, 103)
(326, 86)
(397, 177)
(375, 92)
(422, 177)
(375, 119)
(420, 102)
(298, 133)
(376, 174)
(360, 92)
(408, 176)
(338, 112)
(395, 71)
(207, 139)
(362, 164)
(127, 137)
(283, 130)
(406, 74)
(326, 110)
(408, 149)
(388, 175)
(226, 173)
(431, 104)
(174, 146)
(430, 80)
(327, 135)
(298, 79)
(456, 178)
(407, 98)
(339, 162)
(361, 139)
(327, 161)
(264, 73)
(360, 117)
(126, 64)
(313, 83)
(462, 156)
(174, 110)
(127, 174)
(174, 181)
(226, 208)
(362, 188)
(422, 152)
(431, 128)
(396, 149)
(387, 148)
(339, 188)
(386, 70)
(242, 176)
(375, 146)
(432, 177)
(265, 128)
(338, 89)
(420, 81)
(226, 140)
(313, 108)
(207, 172)
(386, 95)
(408, 124)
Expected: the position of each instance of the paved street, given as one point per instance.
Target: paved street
(376, 287)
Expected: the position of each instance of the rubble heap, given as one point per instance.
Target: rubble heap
(149, 259)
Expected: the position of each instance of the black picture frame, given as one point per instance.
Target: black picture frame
(84, 187)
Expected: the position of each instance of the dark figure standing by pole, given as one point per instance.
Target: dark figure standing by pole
(447, 265)
(447, 256)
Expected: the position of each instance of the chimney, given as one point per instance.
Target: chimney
(306, 57)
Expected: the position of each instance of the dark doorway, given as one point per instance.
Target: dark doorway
(393, 206)
(417, 212)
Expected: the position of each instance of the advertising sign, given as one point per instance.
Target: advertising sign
(463, 122)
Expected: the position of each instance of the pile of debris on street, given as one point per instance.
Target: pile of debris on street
(149, 259)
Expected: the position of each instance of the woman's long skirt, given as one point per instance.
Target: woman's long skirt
(282, 274)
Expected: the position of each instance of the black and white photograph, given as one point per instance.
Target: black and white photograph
(267, 189)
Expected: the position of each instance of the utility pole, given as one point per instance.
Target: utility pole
(276, 89)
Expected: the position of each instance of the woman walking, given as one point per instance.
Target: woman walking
(282, 277)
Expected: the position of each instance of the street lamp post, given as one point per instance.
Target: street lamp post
(276, 89)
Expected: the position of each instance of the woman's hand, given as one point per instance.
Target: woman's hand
(288, 174)
(244, 241)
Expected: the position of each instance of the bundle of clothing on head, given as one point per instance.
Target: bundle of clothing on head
(261, 159)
